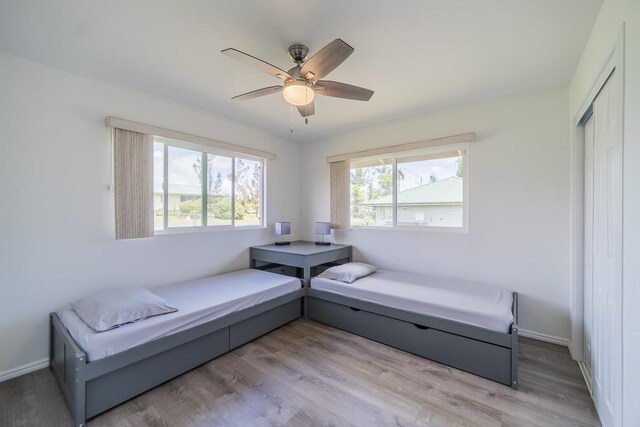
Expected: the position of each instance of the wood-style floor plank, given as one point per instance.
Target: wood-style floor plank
(309, 374)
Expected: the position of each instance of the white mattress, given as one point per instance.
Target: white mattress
(198, 302)
(466, 302)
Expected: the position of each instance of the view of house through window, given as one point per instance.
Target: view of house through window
(428, 189)
(194, 188)
(371, 181)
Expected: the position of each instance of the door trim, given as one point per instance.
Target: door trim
(613, 62)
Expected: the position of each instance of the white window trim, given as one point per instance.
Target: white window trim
(204, 228)
(447, 141)
(210, 229)
(115, 122)
(394, 211)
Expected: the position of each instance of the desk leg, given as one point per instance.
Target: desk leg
(305, 307)
(306, 282)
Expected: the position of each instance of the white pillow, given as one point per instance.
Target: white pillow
(348, 272)
(116, 307)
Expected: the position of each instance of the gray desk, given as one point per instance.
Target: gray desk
(302, 255)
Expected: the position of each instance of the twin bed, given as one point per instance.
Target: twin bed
(99, 370)
(464, 325)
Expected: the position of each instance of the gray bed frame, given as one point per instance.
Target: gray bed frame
(91, 388)
(487, 353)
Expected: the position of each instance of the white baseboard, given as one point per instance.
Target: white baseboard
(586, 375)
(24, 369)
(544, 337)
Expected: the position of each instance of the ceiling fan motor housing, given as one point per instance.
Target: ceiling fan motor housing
(298, 52)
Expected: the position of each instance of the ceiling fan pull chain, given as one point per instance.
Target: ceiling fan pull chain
(291, 118)
(306, 108)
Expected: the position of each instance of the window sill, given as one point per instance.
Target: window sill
(428, 229)
(211, 229)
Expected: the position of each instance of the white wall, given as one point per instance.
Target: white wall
(56, 220)
(601, 41)
(518, 203)
(54, 158)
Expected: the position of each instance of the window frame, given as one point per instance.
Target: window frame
(204, 150)
(464, 147)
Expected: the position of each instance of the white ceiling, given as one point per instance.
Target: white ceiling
(418, 56)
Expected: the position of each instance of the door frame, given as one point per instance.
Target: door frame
(614, 61)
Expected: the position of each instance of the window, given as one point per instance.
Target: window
(371, 192)
(423, 189)
(202, 187)
(248, 175)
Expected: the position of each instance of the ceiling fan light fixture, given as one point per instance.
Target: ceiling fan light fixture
(298, 92)
(302, 81)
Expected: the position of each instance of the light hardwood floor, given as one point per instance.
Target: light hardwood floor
(307, 374)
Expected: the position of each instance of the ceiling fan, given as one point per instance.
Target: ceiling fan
(303, 82)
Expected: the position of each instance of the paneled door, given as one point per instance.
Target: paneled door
(607, 255)
(588, 243)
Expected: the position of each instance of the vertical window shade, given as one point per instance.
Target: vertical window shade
(133, 161)
(339, 176)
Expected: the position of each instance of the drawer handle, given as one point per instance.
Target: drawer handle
(424, 328)
(354, 309)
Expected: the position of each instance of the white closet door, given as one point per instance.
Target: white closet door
(588, 241)
(607, 256)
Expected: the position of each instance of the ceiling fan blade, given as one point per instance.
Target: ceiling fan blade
(326, 60)
(342, 90)
(259, 92)
(307, 110)
(254, 62)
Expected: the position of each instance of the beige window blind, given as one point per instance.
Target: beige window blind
(133, 162)
(340, 194)
(341, 164)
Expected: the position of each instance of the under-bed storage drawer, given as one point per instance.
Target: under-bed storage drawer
(481, 358)
(253, 327)
(106, 391)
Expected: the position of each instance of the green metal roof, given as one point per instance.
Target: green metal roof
(182, 189)
(445, 191)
